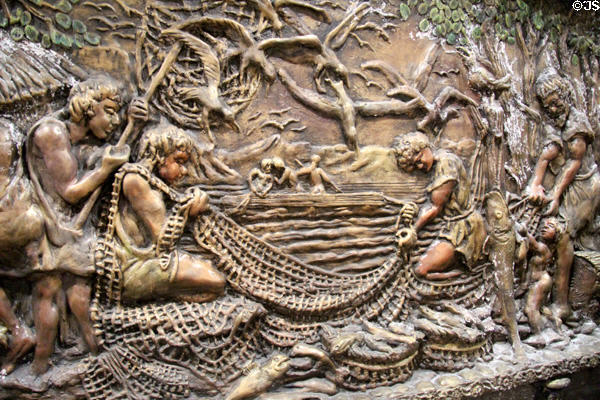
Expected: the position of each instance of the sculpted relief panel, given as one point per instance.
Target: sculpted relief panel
(296, 199)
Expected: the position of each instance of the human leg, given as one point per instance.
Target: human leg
(22, 339)
(78, 296)
(438, 258)
(564, 261)
(198, 275)
(45, 316)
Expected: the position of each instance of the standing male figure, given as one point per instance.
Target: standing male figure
(65, 166)
(576, 188)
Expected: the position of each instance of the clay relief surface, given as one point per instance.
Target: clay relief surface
(296, 199)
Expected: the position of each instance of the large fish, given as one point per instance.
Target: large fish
(501, 247)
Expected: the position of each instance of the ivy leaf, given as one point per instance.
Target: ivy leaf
(575, 60)
(92, 38)
(79, 26)
(17, 34)
(64, 6)
(422, 9)
(451, 39)
(32, 33)
(79, 41)
(25, 18)
(424, 25)
(46, 41)
(404, 11)
(538, 21)
(476, 34)
(63, 20)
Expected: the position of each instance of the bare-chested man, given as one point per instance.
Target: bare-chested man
(68, 159)
(151, 219)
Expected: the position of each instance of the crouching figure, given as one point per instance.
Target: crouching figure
(151, 218)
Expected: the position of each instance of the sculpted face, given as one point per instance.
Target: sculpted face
(549, 230)
(556, 107)
(106, 118)
(173, 168)
(424, 160)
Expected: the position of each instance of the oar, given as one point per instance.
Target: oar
(162, 72)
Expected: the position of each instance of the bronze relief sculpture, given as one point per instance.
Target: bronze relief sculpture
(296, 199)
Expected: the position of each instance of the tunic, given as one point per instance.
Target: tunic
(462, 225)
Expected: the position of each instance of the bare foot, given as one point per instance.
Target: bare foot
(40, 365)
(22, 342)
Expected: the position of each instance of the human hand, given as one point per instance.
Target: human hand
(552, 207)
(138, 109)
(408, 213)
(536, 194)
(115, 156)
(198, 201)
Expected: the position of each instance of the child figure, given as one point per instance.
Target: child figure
(540, 279)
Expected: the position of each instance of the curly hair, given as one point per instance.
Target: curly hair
(407, 146)
(85, 95)
(549, 81)
(162, 140)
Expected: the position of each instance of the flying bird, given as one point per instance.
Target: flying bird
(207, 96)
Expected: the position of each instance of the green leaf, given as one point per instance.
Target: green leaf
(491, 12)
(554, 35)
(25, 18)
(575, 60)
(55, 36)
(79, 26)
(92, 38)
(3, 21)
(424, 25)
(453, 4)
(66, 41)
(79, 41)
(448, 12)
(456, 27)
(404, 11)
(511, 40)
(451, 38)
(63, 20)
(538, 21)
(440, 30)
(463, 41)
(17, 33)
(508, 20)
(476, 34)
(422, 9)
(16, 17)
(46, 42)
(32, 33)
(64, 6)
(480, 17)
(498, 27)
(433, 13)
(412, 3)
(455, 16)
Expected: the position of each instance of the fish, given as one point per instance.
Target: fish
(261, 378)
(501, 245)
